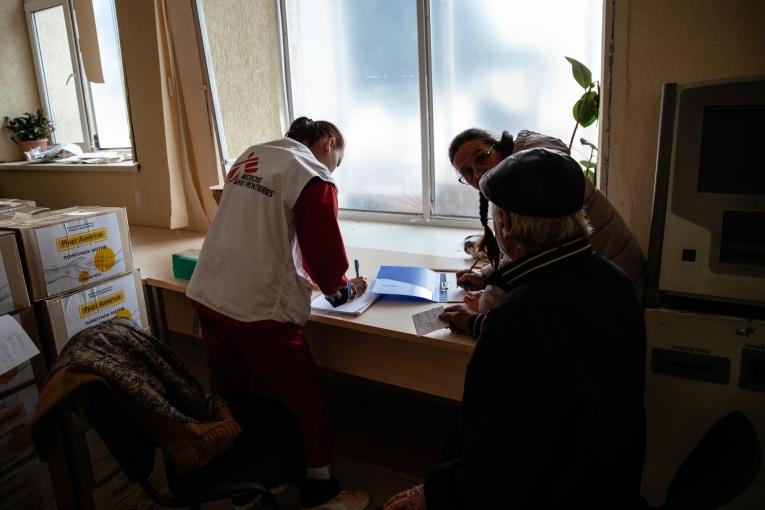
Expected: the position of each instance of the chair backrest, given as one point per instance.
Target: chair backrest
(721, 466)
(133, 449)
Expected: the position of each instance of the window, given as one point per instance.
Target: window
(401, 78)
(79, 71)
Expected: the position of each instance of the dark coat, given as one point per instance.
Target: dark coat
(552, 410)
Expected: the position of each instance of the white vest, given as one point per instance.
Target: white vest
(249, 268)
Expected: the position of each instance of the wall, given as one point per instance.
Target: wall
(249, 82)
(144, 193)
(17, 74)
(657, 42)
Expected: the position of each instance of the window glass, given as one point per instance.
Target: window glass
(59, 80)
(109, 105)
(499, 65)
(356, 64)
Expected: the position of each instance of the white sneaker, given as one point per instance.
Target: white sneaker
(345, 500)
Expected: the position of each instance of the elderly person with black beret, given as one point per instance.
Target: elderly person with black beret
(552, 411)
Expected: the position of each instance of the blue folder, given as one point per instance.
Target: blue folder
(418, 282)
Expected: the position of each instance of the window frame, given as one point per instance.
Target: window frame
(427, 214)
(82, 86)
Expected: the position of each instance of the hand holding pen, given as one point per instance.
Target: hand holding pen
(359, 283)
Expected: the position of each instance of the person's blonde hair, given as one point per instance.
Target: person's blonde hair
(540, 233)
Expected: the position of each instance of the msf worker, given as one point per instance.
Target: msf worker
(274, 234)
(552, 410)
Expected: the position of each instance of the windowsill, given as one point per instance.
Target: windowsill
(121, 167)
(413, 238)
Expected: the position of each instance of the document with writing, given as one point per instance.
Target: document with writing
(428, 321)
(354, 307)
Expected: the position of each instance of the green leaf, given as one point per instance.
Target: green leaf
(586, 142)
(587, 164)
(586, 109)
(581, 72)
(590, 175)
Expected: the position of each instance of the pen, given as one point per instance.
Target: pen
(356, 265)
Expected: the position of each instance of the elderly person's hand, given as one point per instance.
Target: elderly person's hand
(472, 300)
(457, 316)
(412, 499)
(471, 280)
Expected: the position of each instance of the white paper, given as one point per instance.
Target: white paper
(15, 345)
(354, 307)
(428, 321)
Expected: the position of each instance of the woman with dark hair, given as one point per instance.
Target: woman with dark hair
(475, 151)
(274, 237)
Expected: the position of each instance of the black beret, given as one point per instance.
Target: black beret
(536, 182)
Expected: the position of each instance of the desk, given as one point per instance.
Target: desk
(380, 344)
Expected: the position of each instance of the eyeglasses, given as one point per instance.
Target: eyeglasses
(467, 172)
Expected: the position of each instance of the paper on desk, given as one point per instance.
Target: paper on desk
(15, 345)
(428, 321)
(354, 307)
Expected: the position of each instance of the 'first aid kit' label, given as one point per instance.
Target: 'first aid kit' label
(80, 251)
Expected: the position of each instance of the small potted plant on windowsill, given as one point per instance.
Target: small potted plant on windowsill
(30, 130)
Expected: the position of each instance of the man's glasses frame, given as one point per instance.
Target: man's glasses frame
(480, 159)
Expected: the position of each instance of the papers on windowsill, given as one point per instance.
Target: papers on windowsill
(428, 321)
(354, 307)
(92, 158)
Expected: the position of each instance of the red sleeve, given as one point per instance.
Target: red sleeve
(319, 237)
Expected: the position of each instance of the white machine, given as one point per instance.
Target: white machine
(707, 240)
(699, 368)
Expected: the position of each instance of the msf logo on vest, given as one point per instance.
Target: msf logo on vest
(241, 175)
(249, 165)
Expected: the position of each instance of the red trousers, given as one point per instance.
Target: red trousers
(280, 358)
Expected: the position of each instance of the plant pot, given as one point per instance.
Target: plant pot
(28, 145)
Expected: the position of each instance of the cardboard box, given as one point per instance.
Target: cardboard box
(63, 317)
(31, 369)
(67, 249)
(13, 288)
(28, 487)
(15, 434)
(11, 203)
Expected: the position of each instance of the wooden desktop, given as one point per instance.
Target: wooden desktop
(379, 345)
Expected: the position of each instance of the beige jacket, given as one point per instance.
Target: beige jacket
(610, 236)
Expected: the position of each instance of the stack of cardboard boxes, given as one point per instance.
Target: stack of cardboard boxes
(79, 272)
(25, 482)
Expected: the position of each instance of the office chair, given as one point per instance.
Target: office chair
(720, 467)
(269, 451)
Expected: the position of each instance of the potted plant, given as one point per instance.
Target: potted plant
(585, 113)
(30, 130)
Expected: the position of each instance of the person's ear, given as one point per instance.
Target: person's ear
(329, 144)
(504, 219)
